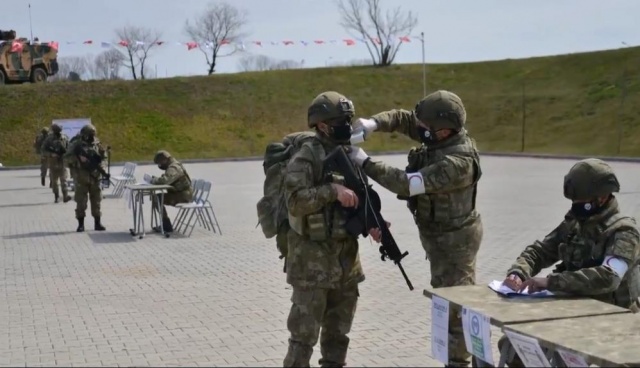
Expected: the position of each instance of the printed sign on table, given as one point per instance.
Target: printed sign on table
(440, 329)
(572, 359)
(528, 350)
(477, 335)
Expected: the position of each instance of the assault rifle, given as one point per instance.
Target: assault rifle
(94, 161)
(367, 215)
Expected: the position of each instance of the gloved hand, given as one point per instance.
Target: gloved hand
(357, 155)
(368, 126)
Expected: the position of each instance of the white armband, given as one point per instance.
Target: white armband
(616, 264)
(416, 184)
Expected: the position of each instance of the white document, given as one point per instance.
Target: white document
(572, 359)
(440, 329)
(501, 289)
(147, 178)
(477, 335)
(528, 350)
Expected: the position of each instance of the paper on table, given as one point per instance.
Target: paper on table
(440, 329)
(147, 178)
(501, 289)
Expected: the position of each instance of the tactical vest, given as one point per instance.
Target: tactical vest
(585, 247)
(444, 211)
(184, 182)
(327, 224)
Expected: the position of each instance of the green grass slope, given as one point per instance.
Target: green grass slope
(572, 102)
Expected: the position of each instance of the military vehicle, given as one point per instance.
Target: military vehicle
(23, 61)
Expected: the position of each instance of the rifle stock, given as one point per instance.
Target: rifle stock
(367, 215)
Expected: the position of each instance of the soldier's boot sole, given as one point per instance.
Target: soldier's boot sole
(66, 199)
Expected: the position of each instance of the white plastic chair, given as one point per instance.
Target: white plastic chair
(196, 189)
(126, 177)
(203, 210)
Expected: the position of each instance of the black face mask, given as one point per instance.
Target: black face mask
(340, 133)
(163, 166)
(57, 134)
(89, 138)
(585, 210)
(427, 136)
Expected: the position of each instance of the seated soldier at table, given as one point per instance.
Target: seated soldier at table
(176, 176)
(598, 246)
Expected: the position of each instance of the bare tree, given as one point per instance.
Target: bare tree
(380, 33)
(107, 64)
(71, 67)
(220, 24)
(138, 42)
(261, 63)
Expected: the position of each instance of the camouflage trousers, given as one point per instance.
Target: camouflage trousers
(325, 312)
(452, 258)
(87, 188)
(58, 177)
(44, 165)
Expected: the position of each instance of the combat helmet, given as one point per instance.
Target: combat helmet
(44, 130)
(162, 154)
(56, 128)
(88, 130)
(327, 106)
(590, 178)
(442, 110)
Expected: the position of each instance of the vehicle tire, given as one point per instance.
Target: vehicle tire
(38, 75)
(3, 77)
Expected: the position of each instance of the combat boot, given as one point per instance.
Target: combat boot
(166, 226)
(97, 225)
(80, 225)
(66, 198)
(42, 180)
(57, 198)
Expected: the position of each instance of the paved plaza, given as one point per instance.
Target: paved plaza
(110, 299)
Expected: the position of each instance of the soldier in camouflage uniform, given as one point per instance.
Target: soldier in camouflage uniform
(87, 178)
(54, 147)
(44, 162)
(598, 246)
(175, 175)
(322, 263)
(440, 184)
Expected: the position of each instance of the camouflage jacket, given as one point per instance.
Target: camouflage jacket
(582, 247)
(176, 176)
(449, 173)
(73, 159)
(37, 143)
(320, 251)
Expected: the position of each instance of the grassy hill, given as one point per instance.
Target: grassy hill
(572, 102)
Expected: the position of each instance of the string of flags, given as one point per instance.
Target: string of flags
(17, 46)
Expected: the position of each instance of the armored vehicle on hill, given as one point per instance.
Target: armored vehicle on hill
(22, 61)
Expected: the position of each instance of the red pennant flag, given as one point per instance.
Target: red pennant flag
(123, 43)
(376, 40)
(319, 42)
(259, 43)
(53, 45)
(224, 42)
(405, 39)
(16, 46)
(349, 42)
(88, 42)
(191, 45)
(287, 42)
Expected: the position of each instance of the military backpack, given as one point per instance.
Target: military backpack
(273, 216)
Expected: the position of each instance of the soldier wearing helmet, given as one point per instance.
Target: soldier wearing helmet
(322, 262)
(599, 248)
(89, 158)
(439, 184)
(54, 148)
(176, 176)
(44, 162)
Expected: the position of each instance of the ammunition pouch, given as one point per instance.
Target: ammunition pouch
(332, 224)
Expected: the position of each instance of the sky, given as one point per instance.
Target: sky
(455, 30)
